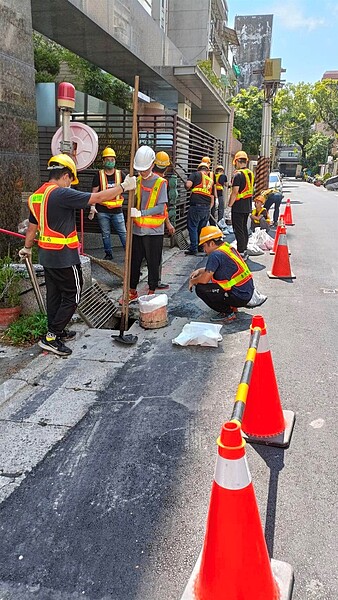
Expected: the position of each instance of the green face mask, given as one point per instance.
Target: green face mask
(109, 164)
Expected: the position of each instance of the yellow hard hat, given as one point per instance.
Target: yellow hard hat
(219, 167)
(260, 198)
(162, 159)
(206, 159)
(60, 161)
(108, 151)
(239, 155)
(204, 165)
(210, 232)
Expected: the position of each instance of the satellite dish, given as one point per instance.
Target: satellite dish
(84, 142)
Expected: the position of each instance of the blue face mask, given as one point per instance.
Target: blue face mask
(109, 164)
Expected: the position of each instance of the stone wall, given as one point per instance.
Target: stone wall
(19, 158)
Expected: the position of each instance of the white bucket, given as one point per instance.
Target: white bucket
(153, 311)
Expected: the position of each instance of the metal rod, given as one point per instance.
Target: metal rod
(35, 284)
(243, 387)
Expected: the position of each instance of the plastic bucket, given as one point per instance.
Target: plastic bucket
(153, 311)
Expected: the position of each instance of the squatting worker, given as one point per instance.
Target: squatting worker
(225, 283)
(201, 186)
(52, 213)
(110, 212)
(241, 201)
(148, 221)
(161, 165)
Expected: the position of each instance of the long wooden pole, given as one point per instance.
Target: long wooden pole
(131, 197)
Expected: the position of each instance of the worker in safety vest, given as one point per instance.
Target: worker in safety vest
(149, 216)
(52, 213)
(220, 182)
(109, 213)
(241, 201)
(161, 165)
(201, 186)
(260, 216)
(225, 283)
(273, 197)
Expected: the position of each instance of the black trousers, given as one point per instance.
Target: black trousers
(217, 299)
(240, 227)
(149, 247)
(63, 288)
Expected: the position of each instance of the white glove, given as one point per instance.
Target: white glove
(92, 213)
(25, 252)
(134, 212)
(129, 183)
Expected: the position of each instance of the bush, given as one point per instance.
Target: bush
(27, 329)
(9, 284)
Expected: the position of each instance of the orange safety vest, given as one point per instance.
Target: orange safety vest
(205, 187)
(249, 184)
(118, 201)
(241, 276)
(218, 185)
(35, 200)
(48, 238)
(150, 220)
(257, 214)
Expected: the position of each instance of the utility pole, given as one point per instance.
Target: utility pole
(272, 81)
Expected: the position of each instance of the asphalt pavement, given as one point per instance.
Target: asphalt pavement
(107, 457)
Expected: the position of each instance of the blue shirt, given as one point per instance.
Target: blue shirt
(222, 268)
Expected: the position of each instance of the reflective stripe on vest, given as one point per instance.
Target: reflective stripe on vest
(35, 200)
(48, 238)
(249, 183)
(243, 273)
(149, 220)
(118, 201)
(205, 187)
(257, 214)
(218, 185)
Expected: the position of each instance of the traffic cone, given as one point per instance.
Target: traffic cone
(288, 213)
(281, 264)
(275, 243)
(264, 421)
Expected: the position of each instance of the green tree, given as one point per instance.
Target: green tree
(248, 106)
(317, 150)
(297, 111)
(326, 98)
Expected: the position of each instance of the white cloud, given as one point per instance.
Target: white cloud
(293, 17)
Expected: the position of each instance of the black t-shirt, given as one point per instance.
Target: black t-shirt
(62, 203)
(111, 183)
(221, 181)
(244, 205)
(195, 198)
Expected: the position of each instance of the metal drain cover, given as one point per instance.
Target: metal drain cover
(180, 240)
(96, 308)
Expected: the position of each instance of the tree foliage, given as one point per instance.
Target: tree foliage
(85, 76)
(297, 112)
(317, 150)
(248, 106)
(326, 97)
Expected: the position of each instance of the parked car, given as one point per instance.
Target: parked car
(275, 181)
(332, 183)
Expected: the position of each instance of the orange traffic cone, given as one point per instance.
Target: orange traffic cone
(281, 264)
(288, 213)
(234, 562)
(264, 421)
(275, 243)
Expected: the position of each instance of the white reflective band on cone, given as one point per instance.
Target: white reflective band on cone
(282, 240)
(232, 474)
(263, 344)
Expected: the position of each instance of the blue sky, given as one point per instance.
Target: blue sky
(304, 34)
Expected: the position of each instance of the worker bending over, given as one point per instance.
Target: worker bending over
(225, 283)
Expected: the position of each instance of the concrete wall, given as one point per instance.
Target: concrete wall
(188, 28)
(19, 160)
(254, 33)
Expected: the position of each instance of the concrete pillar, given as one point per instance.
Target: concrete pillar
(19, 158)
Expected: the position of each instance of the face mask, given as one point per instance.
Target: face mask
(109, 164)
(147, 176)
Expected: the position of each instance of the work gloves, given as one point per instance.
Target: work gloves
(129, 183)
(25, 252)
(134, 212)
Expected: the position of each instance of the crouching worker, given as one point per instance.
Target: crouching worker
(226, 281)
(260, 216)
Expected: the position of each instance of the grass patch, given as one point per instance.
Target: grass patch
(28, 329)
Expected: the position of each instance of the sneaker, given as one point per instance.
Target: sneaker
(133, 296)
(225, 317)
(190, 253)
(244, 255)
(108, 256)
(55, 345)
(67, 334)
(162, 286)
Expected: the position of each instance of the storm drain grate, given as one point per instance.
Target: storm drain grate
(96, 308)
(180, 240)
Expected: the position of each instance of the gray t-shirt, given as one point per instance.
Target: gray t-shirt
(61, 206)
(159, 209)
